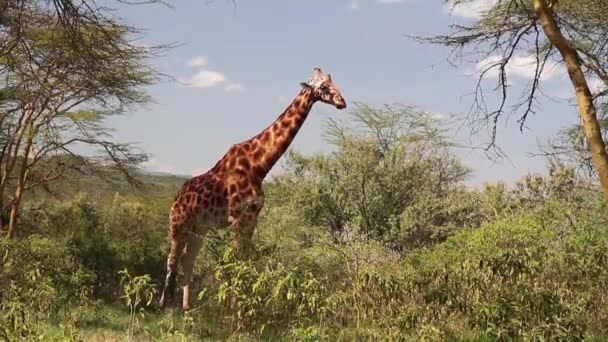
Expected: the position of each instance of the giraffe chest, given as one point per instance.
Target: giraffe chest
(212, 211)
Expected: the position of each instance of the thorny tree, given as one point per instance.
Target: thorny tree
(64, 71)
(572, 32)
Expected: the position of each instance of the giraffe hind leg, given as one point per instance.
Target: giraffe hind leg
(178, 242)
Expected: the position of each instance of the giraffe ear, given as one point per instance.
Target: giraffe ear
(306, 85)
(317, 73)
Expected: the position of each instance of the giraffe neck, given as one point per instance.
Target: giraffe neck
(274, 140)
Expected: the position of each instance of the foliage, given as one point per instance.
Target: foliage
(497, 263)
(390, 165)
(122, 234)
(137, 291)
(521, 278)
(264, 294)
(38, 277)
(56, 97)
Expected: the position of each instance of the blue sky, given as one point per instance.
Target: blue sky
(244, 66)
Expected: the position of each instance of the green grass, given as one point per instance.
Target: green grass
(111, 323)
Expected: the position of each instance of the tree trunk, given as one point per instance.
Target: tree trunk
(587, 111)
(20, 181)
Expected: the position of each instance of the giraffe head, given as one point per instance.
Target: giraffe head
(324, 89)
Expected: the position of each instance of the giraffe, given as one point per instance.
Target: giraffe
(230, 193)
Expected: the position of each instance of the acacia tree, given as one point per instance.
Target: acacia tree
(572, 32)
(60, 83)
(391, 177)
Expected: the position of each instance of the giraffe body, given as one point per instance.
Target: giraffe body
(230, 193)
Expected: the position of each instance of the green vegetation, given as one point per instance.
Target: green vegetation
(379, 240)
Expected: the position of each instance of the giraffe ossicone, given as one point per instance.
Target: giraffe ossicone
(230, 193)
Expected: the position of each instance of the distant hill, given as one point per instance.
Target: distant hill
(154, 186)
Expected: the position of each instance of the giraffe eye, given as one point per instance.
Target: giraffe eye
(323, 87)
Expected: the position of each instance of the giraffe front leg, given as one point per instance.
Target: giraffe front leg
(243, 232)
(244, 215)
(193, 247)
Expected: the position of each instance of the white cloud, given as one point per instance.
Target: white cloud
(388, 1)
(198, 61)
(206, 79)
(519, 66)
(156, 165)
(234, 87)
(469, 9)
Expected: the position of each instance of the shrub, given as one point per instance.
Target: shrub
(38, 277)
(521, 277)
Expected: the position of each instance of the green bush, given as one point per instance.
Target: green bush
(379, 240)
(38, 277)
(107, 239)
(391, 177)
(264, 293)
(521, 277)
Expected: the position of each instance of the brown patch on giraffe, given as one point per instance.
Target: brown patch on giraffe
(276, 129)
(265, 138)
(258, 154)
(233, 149)
(244, 163)
(218, 188)
(240, 173)
(293, 112)
(254, 179)
(297, 102)
(233, 188)
(243, 183)
(246, 192)
(258, 172)
(286, 123)
(284, 145)
(236, 197)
